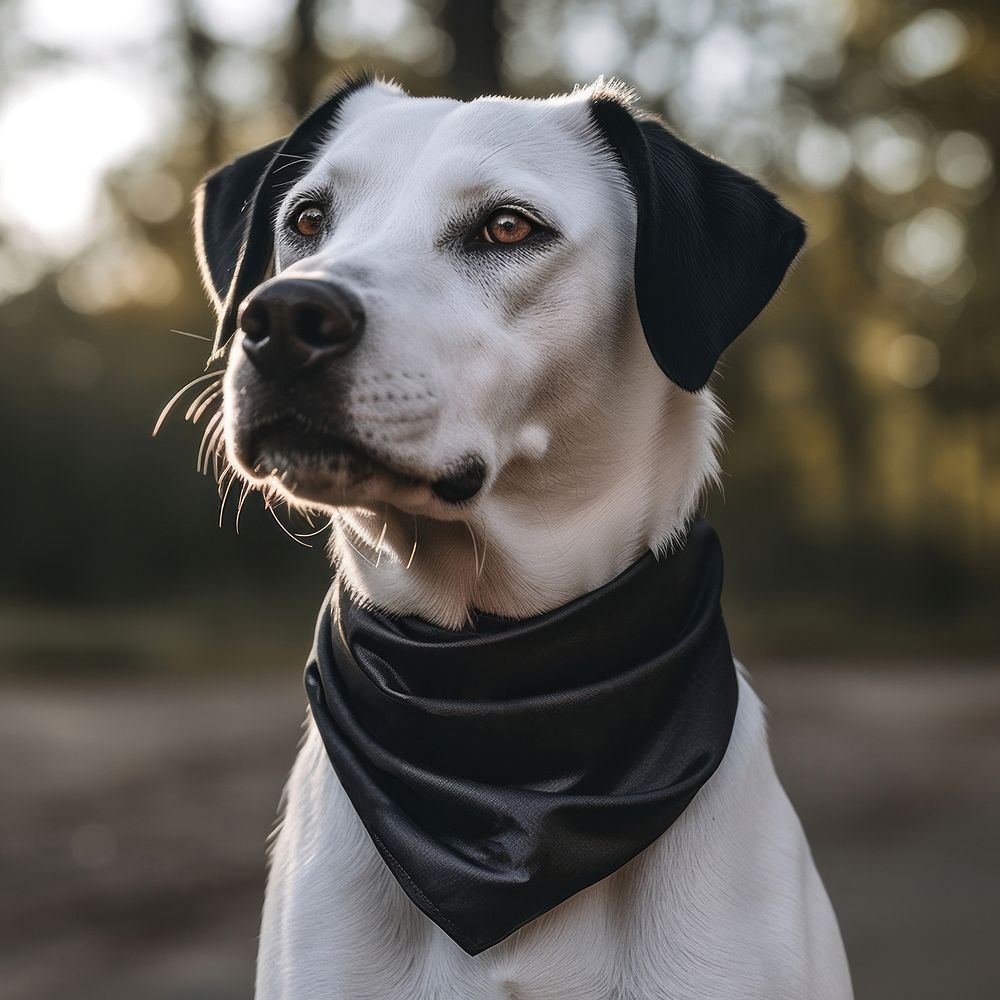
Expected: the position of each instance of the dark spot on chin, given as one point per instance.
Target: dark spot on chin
(464, 483)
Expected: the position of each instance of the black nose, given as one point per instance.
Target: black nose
(290, 324)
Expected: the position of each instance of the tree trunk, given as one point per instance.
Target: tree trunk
(303, 64)
(472, 25)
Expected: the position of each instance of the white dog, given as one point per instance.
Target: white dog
(477, 337)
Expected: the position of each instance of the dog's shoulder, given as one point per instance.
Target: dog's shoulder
(735, 887)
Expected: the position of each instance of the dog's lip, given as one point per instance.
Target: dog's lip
(301, 442)
(304, 456)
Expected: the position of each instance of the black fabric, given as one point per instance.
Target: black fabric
(500, 770)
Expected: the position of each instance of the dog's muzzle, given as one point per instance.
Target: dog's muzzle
(291, 324)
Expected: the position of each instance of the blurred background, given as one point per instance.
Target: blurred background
(150, 662)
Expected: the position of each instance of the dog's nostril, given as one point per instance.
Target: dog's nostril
(253, 323)
(291, 324)
(320, 328)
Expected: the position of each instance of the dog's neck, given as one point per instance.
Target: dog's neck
(550, 530)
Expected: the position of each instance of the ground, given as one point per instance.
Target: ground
(135, 819)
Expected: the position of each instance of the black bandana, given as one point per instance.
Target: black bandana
(501, 769)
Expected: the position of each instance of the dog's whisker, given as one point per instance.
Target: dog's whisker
(413, 551)
(319, 530)
(213, 425)
(381, 537)
(347, 537)
(206, 402)
(212, 436)
(292, 161)
(228, 474)
(219, 459)
(486, 545)
(475, 547)
(165, 412)
(291, 534)
(244, 493)
(225, 497)
(212, 454)
(209, 392)
(204, 444)
(218, 452)
(195, 336)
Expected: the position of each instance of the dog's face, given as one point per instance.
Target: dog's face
(479, 252)
(425, 291)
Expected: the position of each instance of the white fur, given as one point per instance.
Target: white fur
(593, 458)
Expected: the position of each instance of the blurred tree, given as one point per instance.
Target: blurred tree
(475, 33)
(200, 48)
(305, 65)
(864, 473)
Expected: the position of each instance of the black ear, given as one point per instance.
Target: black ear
(712, 245)
(235, 210)
(221, 210)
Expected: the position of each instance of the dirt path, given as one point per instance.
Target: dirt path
(131, 848)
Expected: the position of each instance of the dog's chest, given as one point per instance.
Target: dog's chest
(686, 919)
(335, 915)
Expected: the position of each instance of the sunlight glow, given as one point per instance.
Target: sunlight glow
(104, 104)
(245, 22)
(94, 28)
(98, 123)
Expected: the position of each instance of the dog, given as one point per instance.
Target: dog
(477, 336)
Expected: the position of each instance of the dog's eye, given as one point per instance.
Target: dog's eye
(309, 220)
(506, 226)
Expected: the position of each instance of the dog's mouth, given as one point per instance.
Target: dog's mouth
(282, 445)
(315, 464)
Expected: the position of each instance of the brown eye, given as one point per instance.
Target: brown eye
(309, 221)
(506, 226)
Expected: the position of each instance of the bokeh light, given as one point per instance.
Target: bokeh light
(927, 247)
(932, 43)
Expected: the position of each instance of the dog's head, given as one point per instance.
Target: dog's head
(416, 293)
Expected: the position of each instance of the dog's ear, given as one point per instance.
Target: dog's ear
(712, 245)
(221, 209)
(235, 209)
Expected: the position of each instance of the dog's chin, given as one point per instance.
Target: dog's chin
(316, 469)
